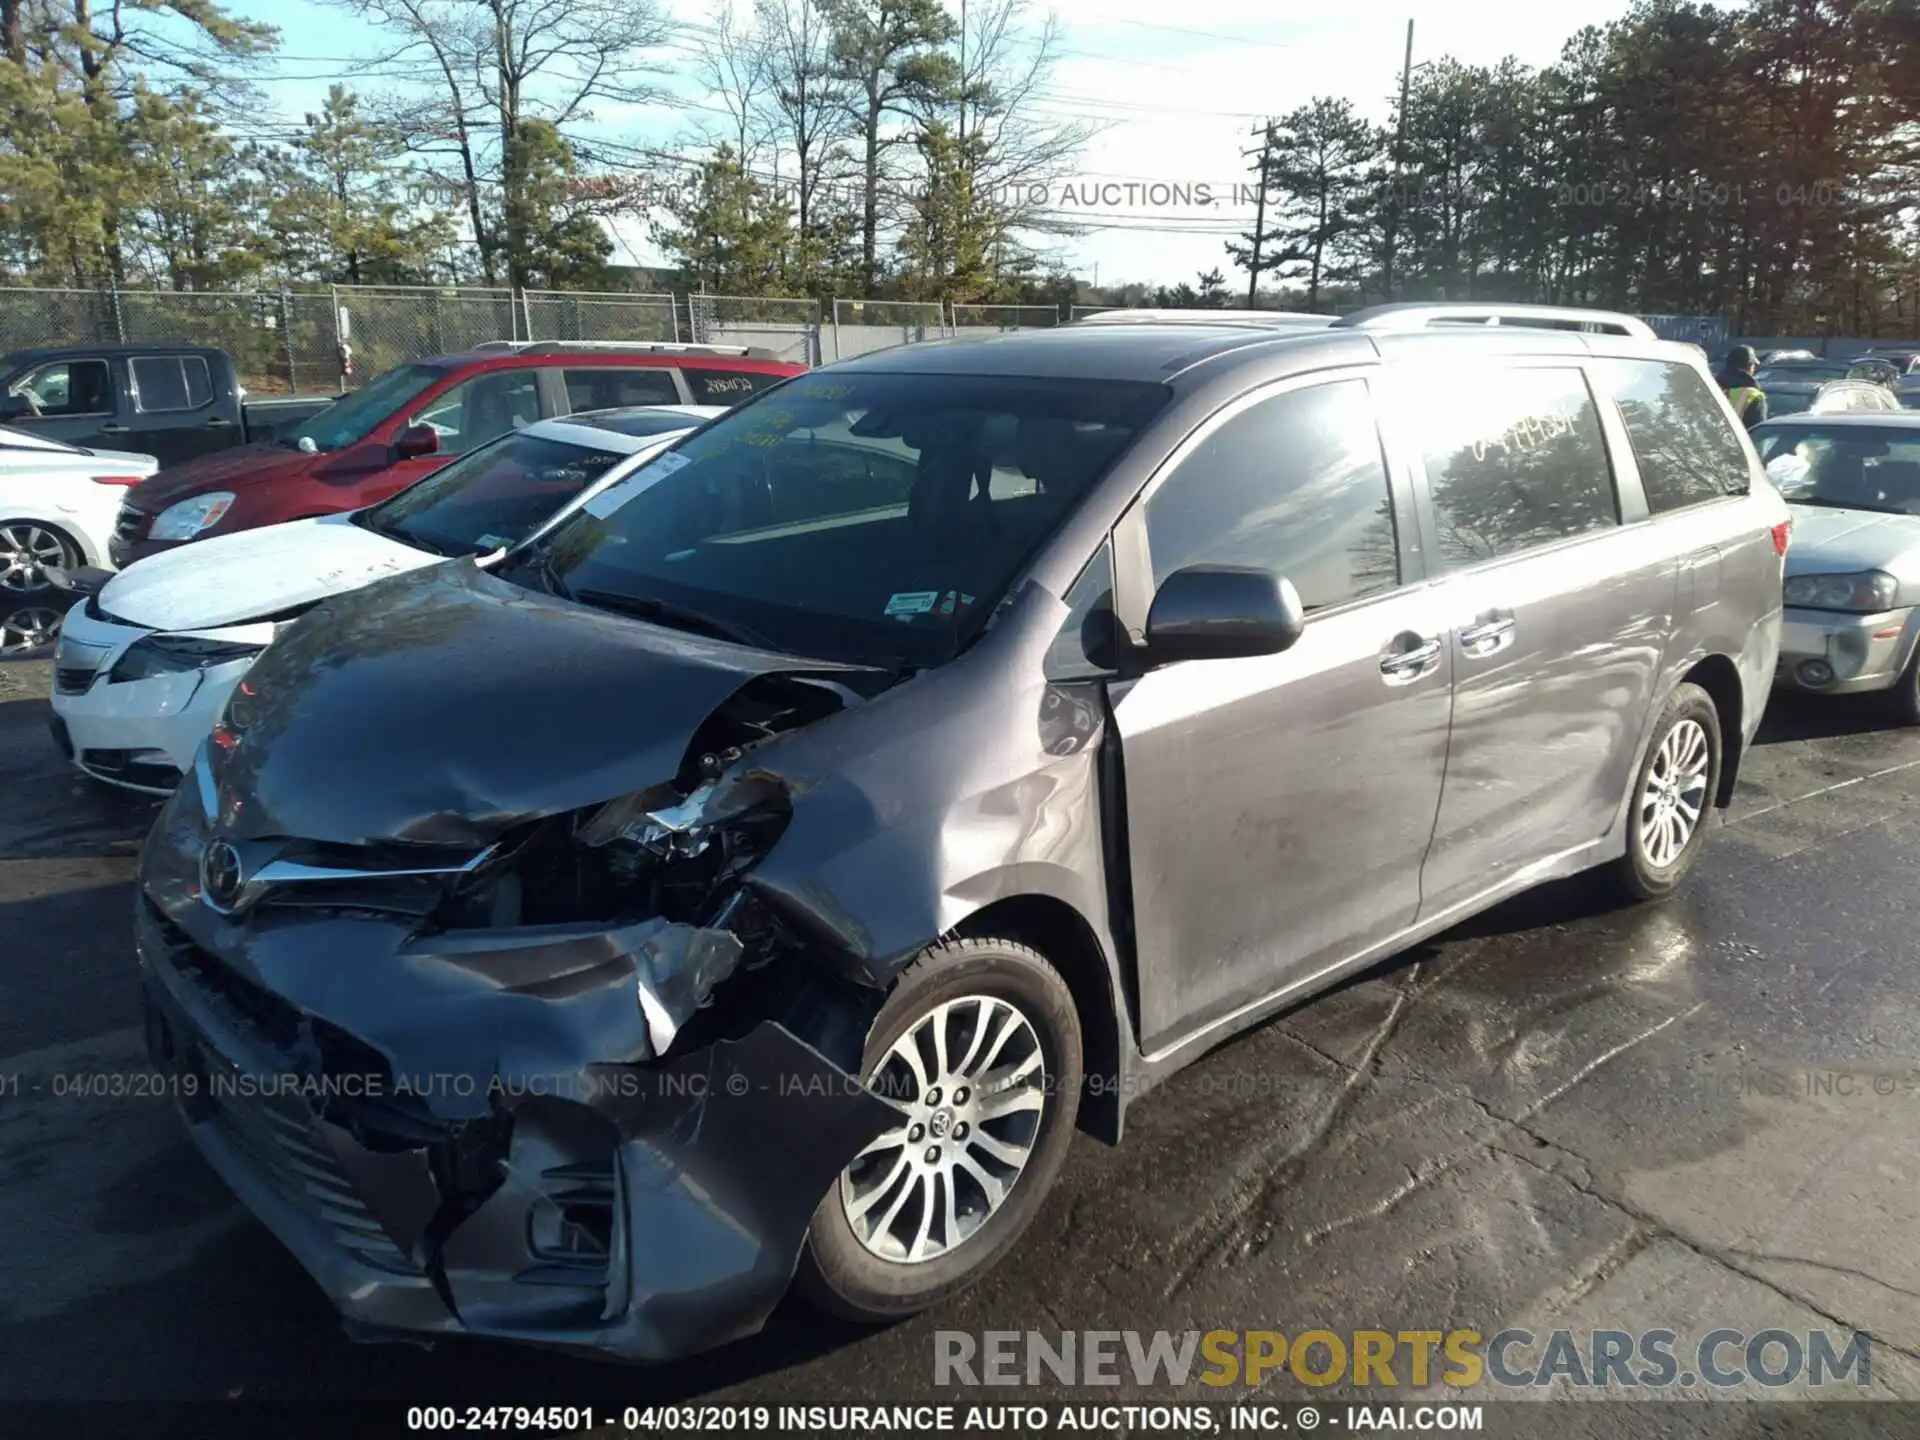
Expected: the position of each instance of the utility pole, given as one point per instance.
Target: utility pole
(1265, 152)
(1399, 163)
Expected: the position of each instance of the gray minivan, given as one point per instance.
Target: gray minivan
(762, 873)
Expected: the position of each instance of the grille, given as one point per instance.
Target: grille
(278, 1137)
(267, 1118)
(130, 525)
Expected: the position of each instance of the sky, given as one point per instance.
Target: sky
(1176, 91)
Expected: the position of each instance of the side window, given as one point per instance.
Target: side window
(1685, 446)
(1086, 646)
(615, 389)
(68, 387)
(1515, 458)
(1295, 484)
(727, 387)
(482, 409)
(170, 382)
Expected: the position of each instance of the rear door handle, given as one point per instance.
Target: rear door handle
(216, 421)
(1488, 635)
(1411, 657)
(113, 429)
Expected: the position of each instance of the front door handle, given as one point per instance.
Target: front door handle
(1409, 657)
(111, 429)
(1488, 635)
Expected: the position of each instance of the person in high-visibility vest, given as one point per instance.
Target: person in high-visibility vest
(1736, 378)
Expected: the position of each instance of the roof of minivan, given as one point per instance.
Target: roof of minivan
(1148, 352)
(1157, 352)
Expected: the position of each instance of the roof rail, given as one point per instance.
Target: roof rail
(558, 347)
(1273, 318)
(1418, 315)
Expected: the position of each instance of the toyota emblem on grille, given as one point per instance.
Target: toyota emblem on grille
(221, 875)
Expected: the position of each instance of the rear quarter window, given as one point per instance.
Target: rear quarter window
(1682, 441)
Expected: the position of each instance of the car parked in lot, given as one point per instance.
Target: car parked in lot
(145, 665)
(412, 420)
(57, 503)
(171, 401)
(1825, 387)
(765, 872)
(1853, 575)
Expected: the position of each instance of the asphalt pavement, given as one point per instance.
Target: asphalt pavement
(1562, 1114)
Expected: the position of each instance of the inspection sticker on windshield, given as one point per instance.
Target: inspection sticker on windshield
(617, 494)
(912, 602)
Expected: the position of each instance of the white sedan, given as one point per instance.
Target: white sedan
(57, 508)
(145, 666)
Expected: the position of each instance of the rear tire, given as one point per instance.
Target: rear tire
(1672, 797)
(930, 1207)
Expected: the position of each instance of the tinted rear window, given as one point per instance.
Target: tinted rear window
(1682, 440)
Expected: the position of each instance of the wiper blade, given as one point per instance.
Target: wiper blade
(679, 617)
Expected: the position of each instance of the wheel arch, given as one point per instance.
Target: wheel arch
(1070, 944)
(1720, 678)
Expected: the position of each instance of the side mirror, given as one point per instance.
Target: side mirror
(1222, 612)
(415, 441)
(15, 407)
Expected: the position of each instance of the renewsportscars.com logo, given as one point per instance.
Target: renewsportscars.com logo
(1513, 1359)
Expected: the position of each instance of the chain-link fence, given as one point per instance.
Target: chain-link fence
(861, 326)
(388, 325)
(964, 318)
(789, 328)
(599, 315)
(326, 340)
(1081, 312)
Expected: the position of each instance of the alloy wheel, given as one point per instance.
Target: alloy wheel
(26, 550)
(1675, 794)
(970, 1075)
(29, 629)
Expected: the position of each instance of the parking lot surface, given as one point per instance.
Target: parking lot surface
(1563, 1114)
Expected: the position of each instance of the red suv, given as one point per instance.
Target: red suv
(406, 423)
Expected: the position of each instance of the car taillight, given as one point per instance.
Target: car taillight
(118, 479)
(1781, 533)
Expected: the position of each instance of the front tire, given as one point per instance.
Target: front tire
(1906, 692)
(1672, 793)
(980, 1045)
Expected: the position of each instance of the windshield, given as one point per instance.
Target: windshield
(1856, 467)
(866, 517)
(1787, 374)
(354, 416)
(495, 497)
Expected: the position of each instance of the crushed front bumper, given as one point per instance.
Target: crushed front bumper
(1828, 653)
(474, 1161)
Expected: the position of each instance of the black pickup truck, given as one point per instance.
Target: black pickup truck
(169, 401)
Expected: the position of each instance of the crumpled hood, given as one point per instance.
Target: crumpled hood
(445, 705)
(222, 470)
(1828, 541)
(229, 579)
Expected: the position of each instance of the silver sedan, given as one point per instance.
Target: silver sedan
(1852, 588)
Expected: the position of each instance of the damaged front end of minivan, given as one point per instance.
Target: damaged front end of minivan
(569, 1085)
